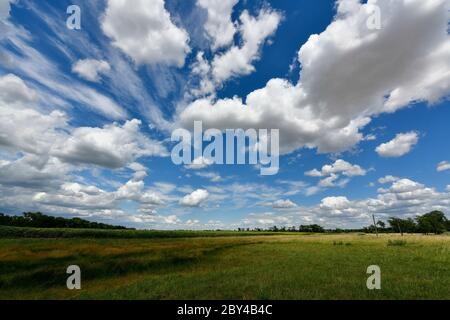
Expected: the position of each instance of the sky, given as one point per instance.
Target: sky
(358, 91)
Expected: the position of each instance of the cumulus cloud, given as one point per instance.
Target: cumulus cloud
(283, 204)
(399, 146)
(145, 32)
(404, 198)
(332, 173)
(32, 172)
(212, 176)
(238, 60)
(81, 199)
(135, 190)
(13, 90)
(77, 196)
(338, 167)
(349, 74)
(388, 179)
(30, 131)
(44, 149)
(267, 219)
(219, 26)
(91, 69)
(5, 7)
(335, 204)
(329, 182)
(113, 146)
(199, 163)
(195, 199)
(443, 166)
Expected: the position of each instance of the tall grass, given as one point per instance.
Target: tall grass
(275, 267)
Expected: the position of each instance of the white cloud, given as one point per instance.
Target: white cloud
(335, 97)
(338, 167)
(332, 173)
(135, 190)
(276, 107)
(56, 89)
(5, 7)
(202, 69)
(388, 179)
(283, 204)
(405, 198)
(399, 146)
(136, 166)
(132, 190)
(28, 130)
(33, 172)
(212, 176)
(14, 91)
(158, 221)
(82, 199)
(219, 26)
(195, 199)
(238, 61)
(335, 204)
(112, 146)
(199, 163)
(91, 69)
(370, 137)
(76, 196)
(443, 166)
(145, 32)
(329, 182)
(45, 150)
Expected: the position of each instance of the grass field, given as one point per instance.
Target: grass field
(211, 266)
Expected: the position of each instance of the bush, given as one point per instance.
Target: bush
(340, 243)
(396, 243)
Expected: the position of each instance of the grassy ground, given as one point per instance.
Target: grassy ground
(232, 267)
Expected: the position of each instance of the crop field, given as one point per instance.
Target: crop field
(221, 265)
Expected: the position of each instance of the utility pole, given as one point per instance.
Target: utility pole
(375, 224)
(400, 228)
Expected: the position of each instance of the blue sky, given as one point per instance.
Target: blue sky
(87, 115)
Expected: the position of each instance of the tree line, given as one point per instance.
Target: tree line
(431, 223)
(434, 222)
(40, 220)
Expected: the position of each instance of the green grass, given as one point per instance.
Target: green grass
(231, 267)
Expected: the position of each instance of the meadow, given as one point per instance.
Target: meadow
(222, 265)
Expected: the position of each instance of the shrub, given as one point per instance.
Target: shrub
(397, 243)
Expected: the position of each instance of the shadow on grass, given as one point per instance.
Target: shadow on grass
(51, 272)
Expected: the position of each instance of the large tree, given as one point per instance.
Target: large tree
(433, 222)
(402, 225)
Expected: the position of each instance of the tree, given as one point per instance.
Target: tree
(40, 220)
(433, 222)
(402, 225)
(381, 224)
(313, 228)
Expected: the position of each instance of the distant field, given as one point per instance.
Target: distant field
(210, 266)
(13, 232)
